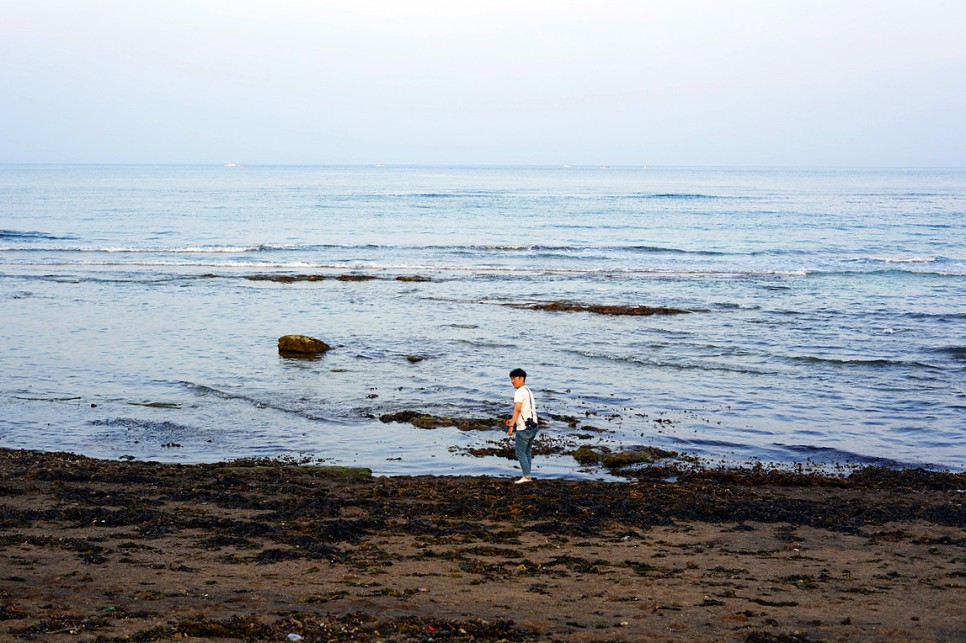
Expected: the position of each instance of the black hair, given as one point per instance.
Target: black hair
(518, 372)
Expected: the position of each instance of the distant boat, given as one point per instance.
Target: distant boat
(380, 165)
(231, 164)
(567, 166)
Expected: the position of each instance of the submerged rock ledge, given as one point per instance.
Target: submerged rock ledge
(423, 420)
(288, 279)
(601, 309)
(616, 461)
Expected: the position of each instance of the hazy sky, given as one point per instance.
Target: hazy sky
(675, 82)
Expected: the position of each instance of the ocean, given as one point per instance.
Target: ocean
(826, 323)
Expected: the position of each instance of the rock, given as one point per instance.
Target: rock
(356, 277)
(422, 420)
(286, 279)
(301, 345)
(588, 455)
(564, 306)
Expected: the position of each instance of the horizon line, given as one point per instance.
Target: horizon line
(575, 166)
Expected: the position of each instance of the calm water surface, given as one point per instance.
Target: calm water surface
(828, 323)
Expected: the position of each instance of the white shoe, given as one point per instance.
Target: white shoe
(523, 479)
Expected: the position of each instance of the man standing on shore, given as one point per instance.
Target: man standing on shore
(523, 422)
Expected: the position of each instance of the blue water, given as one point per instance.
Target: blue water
(828, 323)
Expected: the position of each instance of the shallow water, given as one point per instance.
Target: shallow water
(828, 323)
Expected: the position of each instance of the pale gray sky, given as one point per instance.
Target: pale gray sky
(677, 82)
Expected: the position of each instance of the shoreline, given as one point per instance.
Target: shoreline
(567, 447)
(112, 551)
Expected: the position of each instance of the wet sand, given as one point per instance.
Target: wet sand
(96, 550)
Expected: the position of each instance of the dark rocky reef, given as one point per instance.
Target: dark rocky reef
(357, 278)
(601, 309)
(286, 279)
(289, 279)
(615, 461)
(423, 420)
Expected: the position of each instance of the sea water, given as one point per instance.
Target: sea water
(827, 319)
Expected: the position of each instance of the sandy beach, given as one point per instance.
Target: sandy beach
(98, 550)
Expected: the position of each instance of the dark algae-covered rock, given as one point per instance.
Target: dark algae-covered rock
(423, 420)
(612, 460)
(290, 279)
(286, 279)
(357, 278)
(601, 309)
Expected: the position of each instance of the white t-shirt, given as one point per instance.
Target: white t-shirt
(528, 409)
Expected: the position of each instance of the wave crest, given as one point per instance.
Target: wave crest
(29, 235)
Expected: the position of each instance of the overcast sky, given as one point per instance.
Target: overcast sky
(675, 82)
